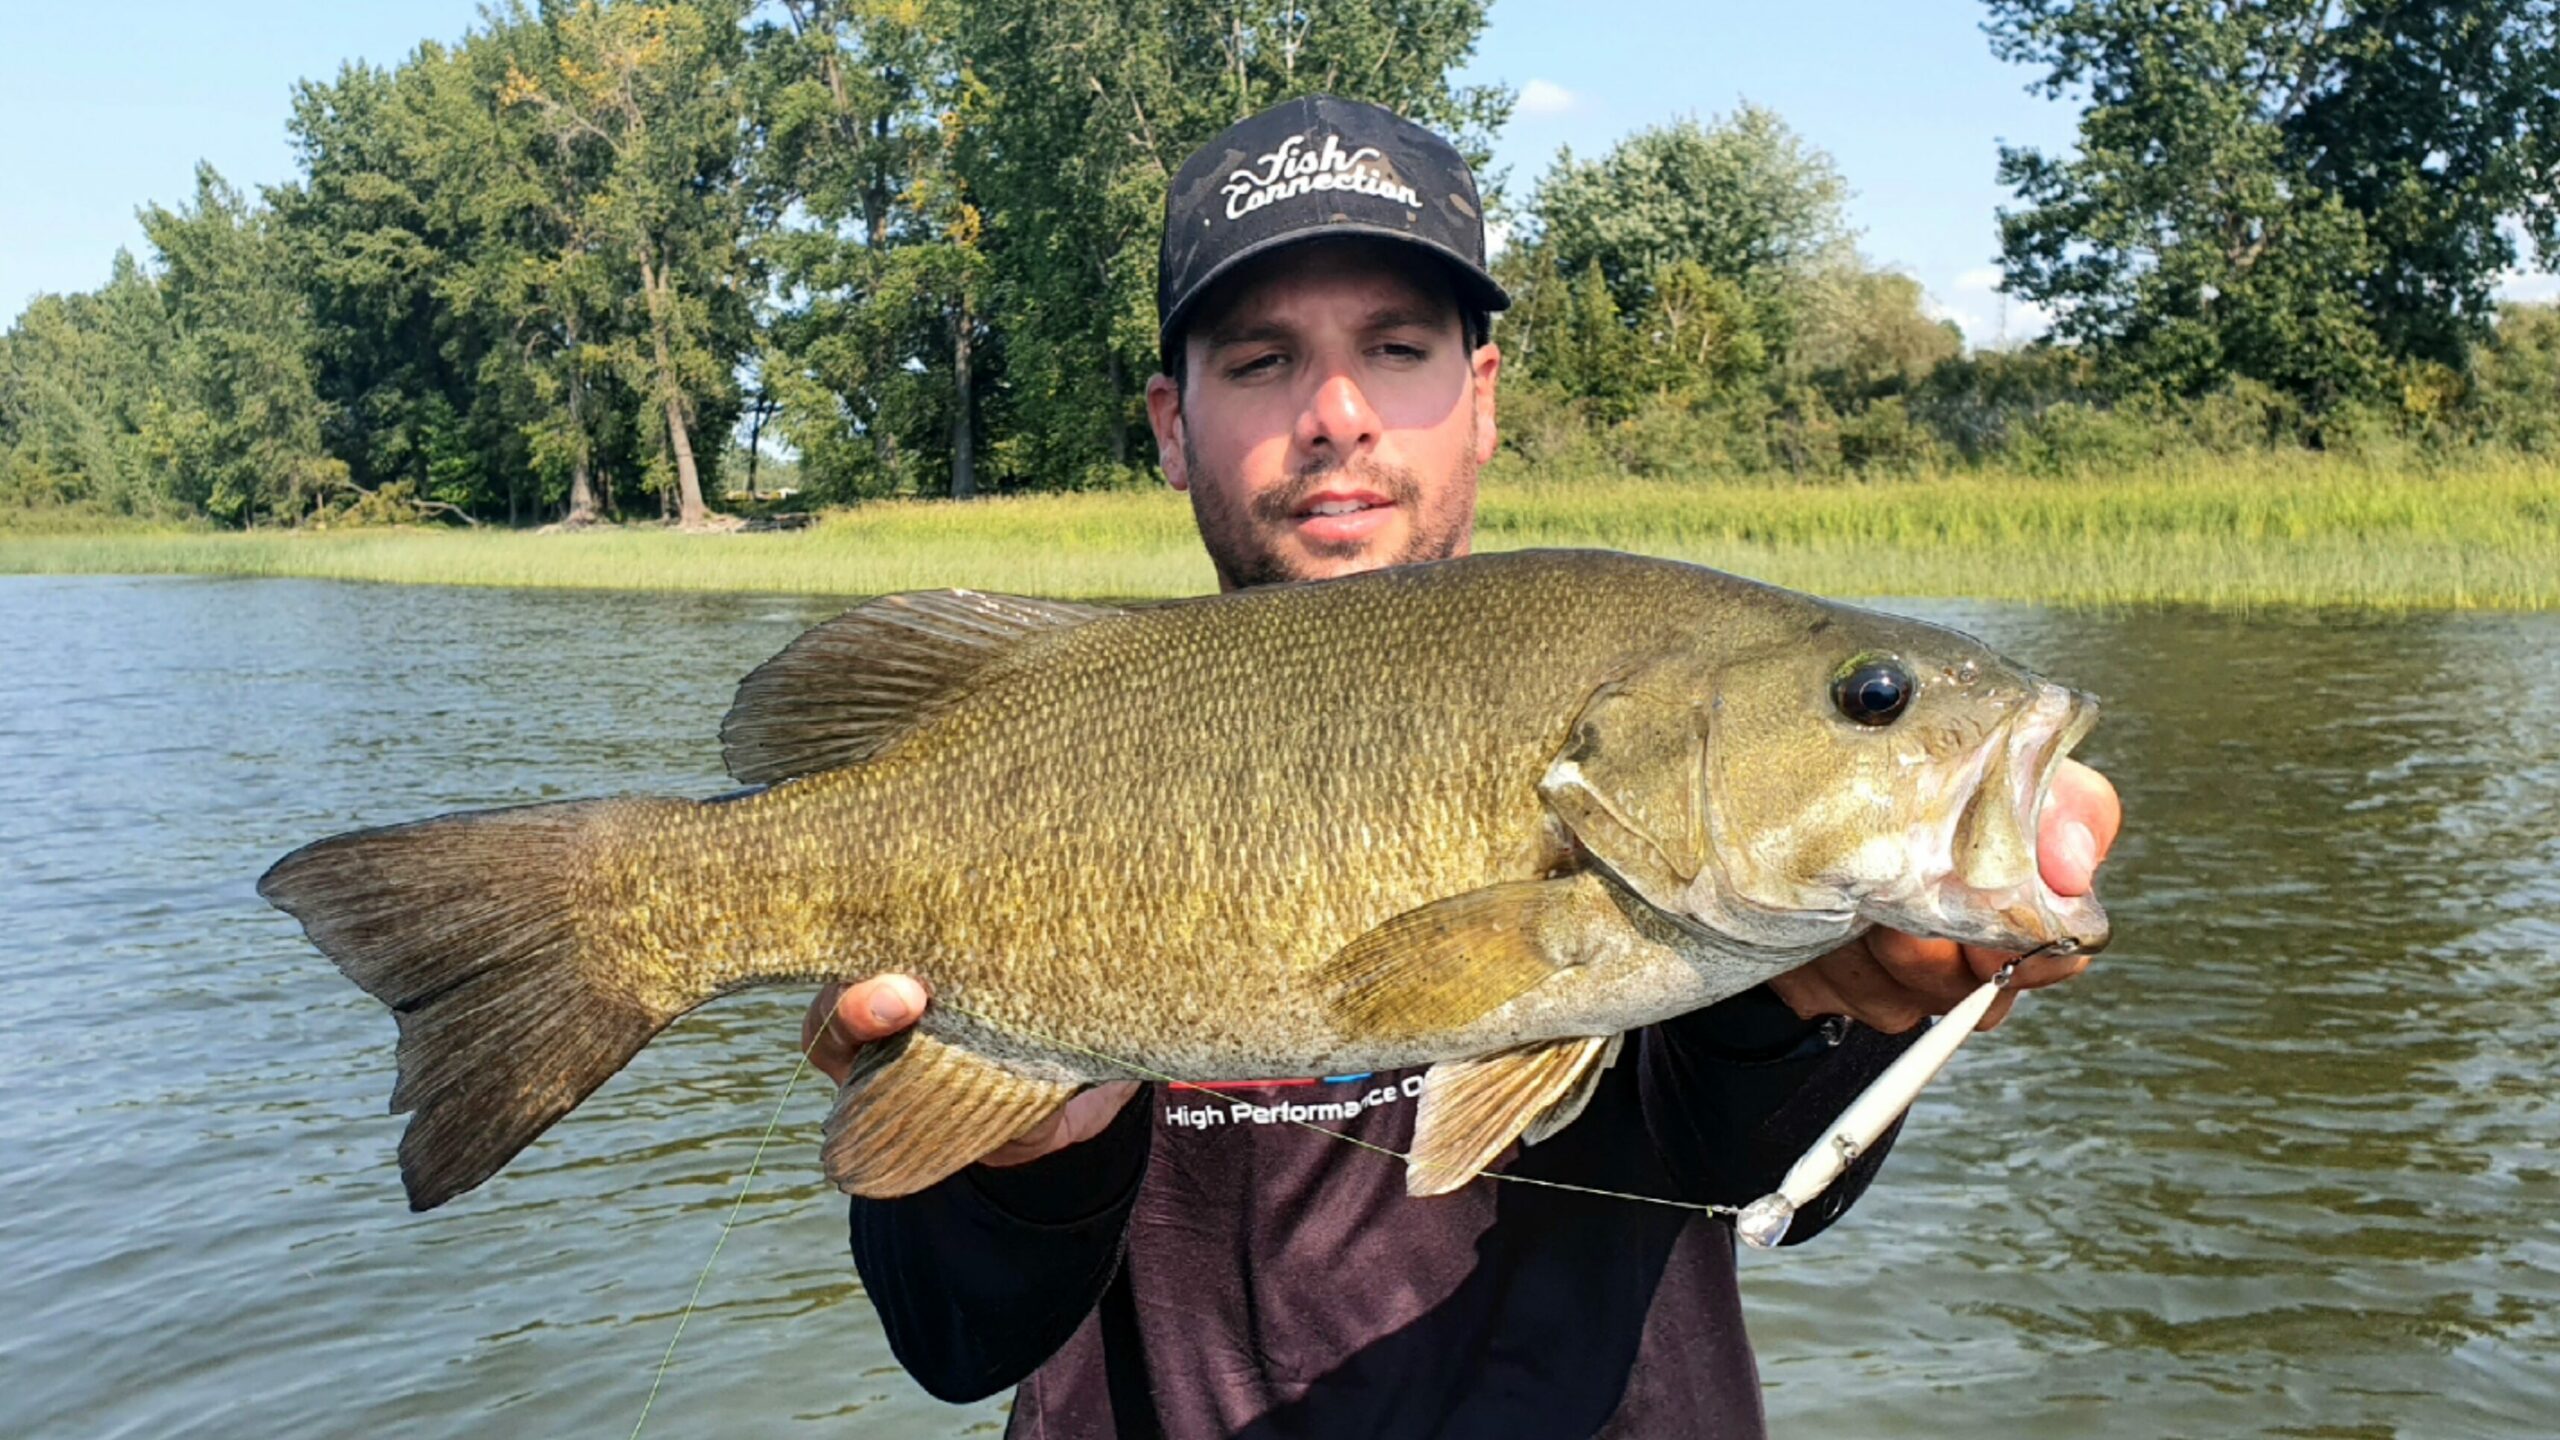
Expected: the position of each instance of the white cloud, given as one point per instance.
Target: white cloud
(2528, 286)
(1545, 97)
(1989, 319)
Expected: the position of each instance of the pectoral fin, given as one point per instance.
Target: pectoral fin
(1450, 962)
(916, 1109)
(1473, 1109)
(1628, 784)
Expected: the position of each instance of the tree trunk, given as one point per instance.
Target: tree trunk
(688, 478)
(964, 461)
(1112, 416)
(582, 485)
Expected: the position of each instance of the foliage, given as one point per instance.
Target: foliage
(544, 270)
(1744, 199)
(1073, 117)
(2518, 380)
(2300, 192)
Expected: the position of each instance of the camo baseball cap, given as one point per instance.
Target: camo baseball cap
(1308, 169)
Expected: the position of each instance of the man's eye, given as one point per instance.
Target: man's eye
(1258, 365)
(1398, 350)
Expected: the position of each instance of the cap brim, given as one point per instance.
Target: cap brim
(1476, 289)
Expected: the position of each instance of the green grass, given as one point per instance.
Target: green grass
(2276, 531)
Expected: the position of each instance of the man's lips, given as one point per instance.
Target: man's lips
(1334, 517)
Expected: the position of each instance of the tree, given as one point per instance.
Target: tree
(637, 105)
(2297, 191)
(1744, 198)
(1867, 334)
(2436, 123)
(2518, 377)
(240, 433)
(1700, 332)
(369, 257)
(872, 238)
(1072, 119)
(80, 376)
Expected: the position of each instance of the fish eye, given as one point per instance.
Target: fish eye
(1873, 690)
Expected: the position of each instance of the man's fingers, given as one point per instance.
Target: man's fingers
(1807, 993)
(880, 1007)
(853, 1015)
(2001, 1005)
(824, 1042)
(2082, 813)
(1937, 973)
(1086, 1114)
(1866, 990)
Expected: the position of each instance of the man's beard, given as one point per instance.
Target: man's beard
(1239, 537)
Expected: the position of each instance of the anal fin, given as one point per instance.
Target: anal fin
(916, 1109)
(1473, 1109)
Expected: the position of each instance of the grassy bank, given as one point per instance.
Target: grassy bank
(2292, 531)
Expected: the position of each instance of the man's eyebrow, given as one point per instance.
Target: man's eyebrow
(1385, 317)
(1398, 317)
(1247, 333)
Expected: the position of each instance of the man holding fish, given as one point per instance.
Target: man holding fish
(1195, 1261)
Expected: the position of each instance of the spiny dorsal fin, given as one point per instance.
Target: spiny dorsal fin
(845, 689)
(1473, 1109)
(916, 1109)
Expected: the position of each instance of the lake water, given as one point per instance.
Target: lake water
(2281, 1164)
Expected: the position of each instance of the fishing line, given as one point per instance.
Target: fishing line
(2001, 981)
(753, 1162)
(1352, 1140)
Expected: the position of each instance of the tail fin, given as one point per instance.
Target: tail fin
(463, 926)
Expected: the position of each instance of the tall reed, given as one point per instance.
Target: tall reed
(2281, 530)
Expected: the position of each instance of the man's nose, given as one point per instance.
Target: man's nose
(1338, 417)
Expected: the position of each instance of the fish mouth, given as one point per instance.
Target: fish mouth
(1994, 893)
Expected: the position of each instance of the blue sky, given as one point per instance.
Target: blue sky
(103, 108)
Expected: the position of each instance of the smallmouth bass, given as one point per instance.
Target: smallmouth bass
(1485, 814)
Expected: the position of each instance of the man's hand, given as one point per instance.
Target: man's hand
(875, 1009)
(1892, 981)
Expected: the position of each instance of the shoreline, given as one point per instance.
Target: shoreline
(2323, 534)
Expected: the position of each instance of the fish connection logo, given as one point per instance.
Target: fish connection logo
(1335, 1097)
(1294, 169)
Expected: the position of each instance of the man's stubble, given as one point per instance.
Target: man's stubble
(1233, 533)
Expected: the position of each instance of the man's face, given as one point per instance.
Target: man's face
(1332, 417)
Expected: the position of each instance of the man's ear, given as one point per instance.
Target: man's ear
(1164, 416)
(1487, 365)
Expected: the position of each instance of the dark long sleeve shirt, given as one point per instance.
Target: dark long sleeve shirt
(1206, 1268)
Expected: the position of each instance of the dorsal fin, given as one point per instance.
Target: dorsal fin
(848, 687)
